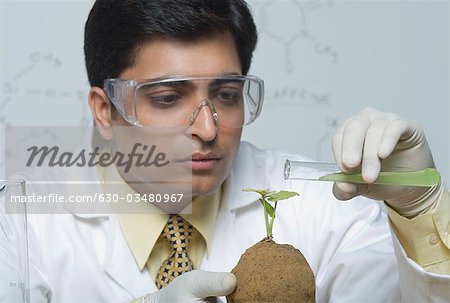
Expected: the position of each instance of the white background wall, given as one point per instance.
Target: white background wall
(322, 60)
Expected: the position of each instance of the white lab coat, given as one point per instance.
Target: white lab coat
(85, 258)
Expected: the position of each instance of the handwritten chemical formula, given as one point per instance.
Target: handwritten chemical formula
(28, 86)
(34, 94)
(293, 26)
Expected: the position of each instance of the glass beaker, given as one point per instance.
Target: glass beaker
(14, 258)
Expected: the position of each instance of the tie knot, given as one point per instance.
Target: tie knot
(178, 232)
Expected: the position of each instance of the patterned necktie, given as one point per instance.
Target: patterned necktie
(178, 232)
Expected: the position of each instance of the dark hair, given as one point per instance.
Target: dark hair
(116, 29)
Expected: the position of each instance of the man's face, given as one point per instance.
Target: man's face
(214, 147)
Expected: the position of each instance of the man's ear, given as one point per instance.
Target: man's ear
(101, 111)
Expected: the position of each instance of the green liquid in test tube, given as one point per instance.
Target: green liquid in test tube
(318, 171)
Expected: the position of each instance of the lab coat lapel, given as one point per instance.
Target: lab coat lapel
(119, 262)
(248, 172)
(121, 266)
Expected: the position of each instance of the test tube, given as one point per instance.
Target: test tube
(319, 171)
(300, 170)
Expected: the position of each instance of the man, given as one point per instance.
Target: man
(196, 55)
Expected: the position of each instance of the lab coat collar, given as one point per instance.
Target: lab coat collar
(249, 171)
(94, 188)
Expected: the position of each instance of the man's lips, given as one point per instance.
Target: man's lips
(201, 161)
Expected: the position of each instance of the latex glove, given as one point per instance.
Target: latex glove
(373, 140)
(195, 286)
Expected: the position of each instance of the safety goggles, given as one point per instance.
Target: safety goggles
(233, 100)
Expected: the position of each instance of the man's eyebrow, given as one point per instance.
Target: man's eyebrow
(225, 80)
(174, 83)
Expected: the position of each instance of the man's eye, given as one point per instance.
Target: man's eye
(228, 97)
(164, 100)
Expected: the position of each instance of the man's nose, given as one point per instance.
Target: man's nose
(203, 121)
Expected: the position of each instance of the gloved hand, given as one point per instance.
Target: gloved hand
(372, 141)
(195, 286)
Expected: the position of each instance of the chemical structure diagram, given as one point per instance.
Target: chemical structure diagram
(28, 86)
(15, 87)
(295, 17)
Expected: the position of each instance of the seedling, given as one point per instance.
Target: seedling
(272, 272)
(268, 197)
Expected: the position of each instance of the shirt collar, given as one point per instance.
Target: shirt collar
(143, 230)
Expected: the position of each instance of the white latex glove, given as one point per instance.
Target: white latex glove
(372, 140)
(195, 286)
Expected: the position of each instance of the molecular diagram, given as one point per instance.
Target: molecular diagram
(295, 13)
(15, 87)
(27, 85)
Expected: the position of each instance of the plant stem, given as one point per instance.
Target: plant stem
(272, 220)
(266, 219)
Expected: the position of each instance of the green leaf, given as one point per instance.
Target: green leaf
(281, 195)
(268, 208)
(262, 192)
